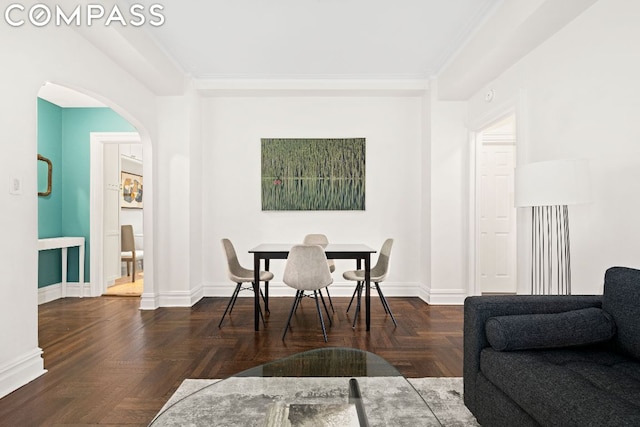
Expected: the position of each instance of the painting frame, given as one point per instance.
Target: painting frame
(131, 191)
(313, 174)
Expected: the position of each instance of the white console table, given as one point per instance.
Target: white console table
(64, 243)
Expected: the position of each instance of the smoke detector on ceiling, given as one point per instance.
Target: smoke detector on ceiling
(488, 97)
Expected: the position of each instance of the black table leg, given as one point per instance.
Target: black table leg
(256, 291)
(266, 288)
(367, 280)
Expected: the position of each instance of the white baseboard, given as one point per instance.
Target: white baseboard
(149, 301)
(338, 289)
(21, 371)
(177, 298)
(443, 296)
(54, 292)
(49, 293)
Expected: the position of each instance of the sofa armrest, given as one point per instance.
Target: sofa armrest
(478, 309)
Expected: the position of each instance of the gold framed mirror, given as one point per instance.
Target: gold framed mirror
(49, 175)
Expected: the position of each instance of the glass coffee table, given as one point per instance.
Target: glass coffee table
(323, 387)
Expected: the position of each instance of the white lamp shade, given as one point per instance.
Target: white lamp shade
(554, 182)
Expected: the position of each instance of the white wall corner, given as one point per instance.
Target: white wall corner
(149, 301)
(49, 293)
(179, 298)
(443, 296)
(197, 294)
(21, 371)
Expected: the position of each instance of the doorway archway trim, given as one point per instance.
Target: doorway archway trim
(97, 141)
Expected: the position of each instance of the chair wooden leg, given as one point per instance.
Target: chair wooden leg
(353, 296)
(235, 297)
(325, 307)
(330, 302)
(266, 308)
(355, 317)
(324, 330)
(385, 303)
(382, 299)
(298, 301)
(133, 270)
(293, 308)
(261, 315)
(232, 301)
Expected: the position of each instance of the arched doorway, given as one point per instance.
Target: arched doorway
(83, 204)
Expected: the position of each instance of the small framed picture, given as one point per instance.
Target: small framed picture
(131, 190)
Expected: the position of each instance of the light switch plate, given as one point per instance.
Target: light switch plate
(15, 185)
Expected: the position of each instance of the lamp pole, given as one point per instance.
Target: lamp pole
(550, 249)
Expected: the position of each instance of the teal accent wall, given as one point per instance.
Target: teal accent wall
(49, 207)
(73, 210)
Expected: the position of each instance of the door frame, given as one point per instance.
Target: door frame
(475, 140)
(481, 147)
(97, 139)
(516, 107)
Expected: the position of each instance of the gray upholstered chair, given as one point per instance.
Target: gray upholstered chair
(307, 270)
(128, 252)
(240, 275)
(378, 274)
(321, 240)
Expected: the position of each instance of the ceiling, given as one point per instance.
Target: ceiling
(330, 47)
(309, 39)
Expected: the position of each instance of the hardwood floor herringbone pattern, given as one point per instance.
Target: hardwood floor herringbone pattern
(110, 363)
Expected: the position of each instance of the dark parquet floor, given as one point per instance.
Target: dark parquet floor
(110, 363)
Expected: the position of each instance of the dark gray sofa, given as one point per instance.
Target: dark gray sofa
(535, 378)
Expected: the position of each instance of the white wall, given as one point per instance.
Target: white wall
(425, 198)
(173, 184)
(180, 189)
(583, 101)
(448, 166)
(231, 176)
(34, 56)
(197, 187)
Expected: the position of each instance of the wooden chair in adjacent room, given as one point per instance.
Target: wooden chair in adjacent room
(240, 275)
(128, 252)
(307, 270)
(378, 274)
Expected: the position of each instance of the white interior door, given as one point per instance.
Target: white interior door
(497, 220)
(111, 213)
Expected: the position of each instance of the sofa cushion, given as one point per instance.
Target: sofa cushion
(568, 387)
(536, 331)
(621, 299)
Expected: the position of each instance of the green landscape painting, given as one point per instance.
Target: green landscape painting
(313, 174)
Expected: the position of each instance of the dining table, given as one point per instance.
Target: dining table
(268, 251)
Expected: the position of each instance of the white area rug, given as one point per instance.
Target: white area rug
(228, 405)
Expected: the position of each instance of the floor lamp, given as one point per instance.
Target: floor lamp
(549, 188)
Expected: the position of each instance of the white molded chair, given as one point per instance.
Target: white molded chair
(378, 274)
(321, 240)
(128, 251)
(307, 270)
(240, 275)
